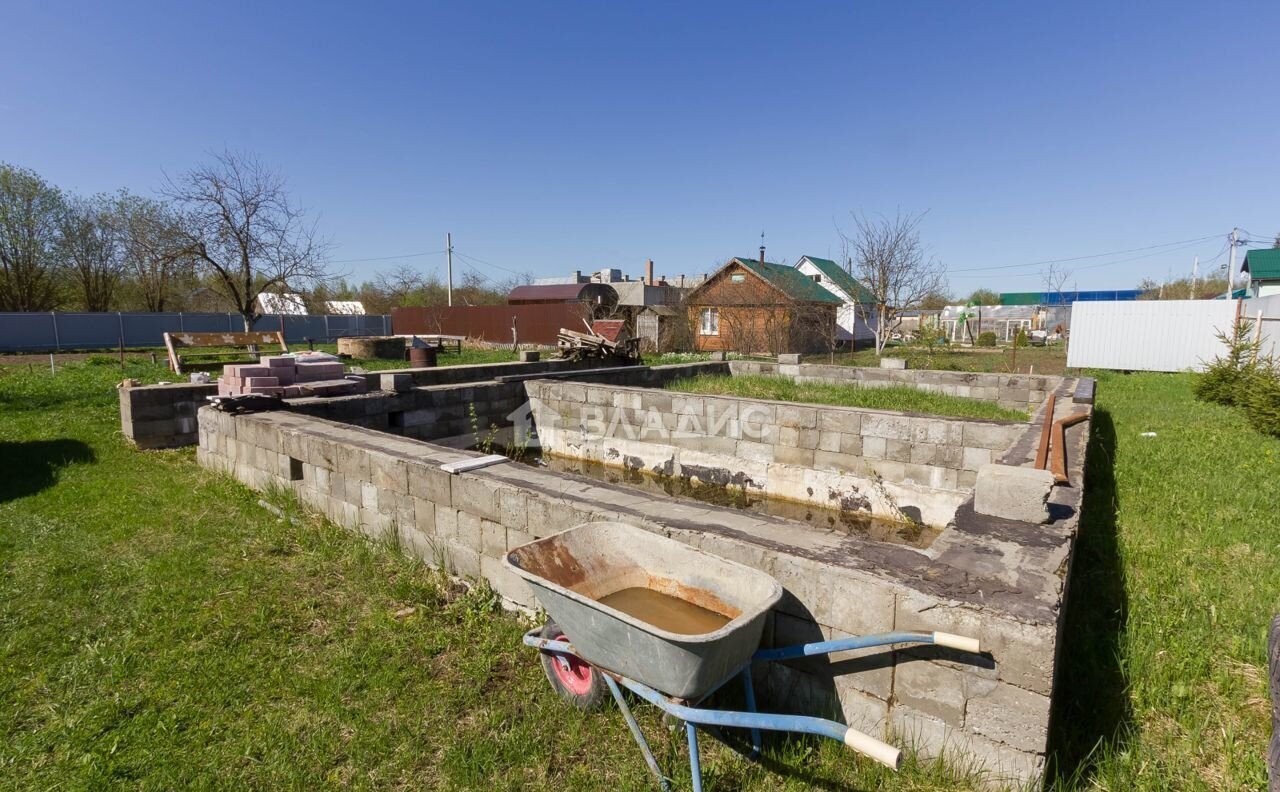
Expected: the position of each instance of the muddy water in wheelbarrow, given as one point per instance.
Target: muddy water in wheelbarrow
(585, 579)
(665, 611)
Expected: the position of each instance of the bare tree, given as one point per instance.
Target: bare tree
(89, 245)
(157, 255)
(244, 230)
(29, 211)
(1055, 278)
(886, 255)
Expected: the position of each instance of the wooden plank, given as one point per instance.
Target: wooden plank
(453, 468)
(226, 339)
(1042, 454)
(174, 364)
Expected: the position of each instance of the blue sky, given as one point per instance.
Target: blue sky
(550, 137)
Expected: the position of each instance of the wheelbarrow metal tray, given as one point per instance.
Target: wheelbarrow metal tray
(570, 571)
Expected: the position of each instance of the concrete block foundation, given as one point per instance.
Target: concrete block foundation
(998, 579)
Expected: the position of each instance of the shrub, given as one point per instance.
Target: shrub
(1020, 340)
(1262, 400)
(1230, 379)
(987, 339)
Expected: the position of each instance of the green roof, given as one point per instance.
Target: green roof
(842, 278)
(1263, 264)
(790, 281)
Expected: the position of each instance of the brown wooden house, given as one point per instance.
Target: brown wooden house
(756, 306)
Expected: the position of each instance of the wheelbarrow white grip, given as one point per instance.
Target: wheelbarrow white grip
(867, 745)
(958, 642)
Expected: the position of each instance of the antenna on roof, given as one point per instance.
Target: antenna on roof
(762, 246)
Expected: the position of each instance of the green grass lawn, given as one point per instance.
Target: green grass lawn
(159, 629)
(902, 398)
(953, 357)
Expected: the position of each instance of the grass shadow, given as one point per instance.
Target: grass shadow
(28, 467)
(1091, 706)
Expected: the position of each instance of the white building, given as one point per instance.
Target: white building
(835, 279)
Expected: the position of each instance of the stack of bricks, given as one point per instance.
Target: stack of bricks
(289, 378)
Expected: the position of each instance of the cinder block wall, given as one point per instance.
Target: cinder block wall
(891, 464)
(162, 416)
(1017, 391)
(994, 709)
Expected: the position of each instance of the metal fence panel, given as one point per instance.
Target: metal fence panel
(51, 332)
(535, 324)
(1148, 335)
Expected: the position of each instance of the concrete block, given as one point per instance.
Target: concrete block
(1023, 653)
(865, 712)
(789, 416)
(893, 363)
(396, 382)
(530, 355)
(931, 688)
(975, 458)
(424, 516)
(1011, 715)
(789, 360)
(897, 450)
(389, 473)
(462, 561)
(1013, 493)
(477, 494)
(889, 427)
(493, 539)
(507, 583)
(446, 523)
(470, 532)
(513, 508)
(996, 437)
(429, 483)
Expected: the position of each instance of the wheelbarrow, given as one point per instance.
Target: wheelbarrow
(672, 624)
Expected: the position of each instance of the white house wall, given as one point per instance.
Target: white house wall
(852, 325)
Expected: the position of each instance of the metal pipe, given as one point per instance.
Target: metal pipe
(865, 642)
(863, 743)
(749, 693)
(695, 761)
(632, 724)
(1058, 464)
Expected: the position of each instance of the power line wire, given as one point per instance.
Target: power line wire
(482, 262)
(1105, 263)
(388, 258)
(1083, 258)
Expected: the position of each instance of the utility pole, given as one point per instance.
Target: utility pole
(1231, 268)
(448, 249)
(1195, 274)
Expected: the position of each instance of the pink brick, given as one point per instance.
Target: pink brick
(266, 390)
(252, 370)
(260, 382)
(277, 361)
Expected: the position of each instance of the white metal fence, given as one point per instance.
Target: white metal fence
(1161, 335)
(54, 331)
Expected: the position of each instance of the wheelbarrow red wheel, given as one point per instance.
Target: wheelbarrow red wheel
(573, 678)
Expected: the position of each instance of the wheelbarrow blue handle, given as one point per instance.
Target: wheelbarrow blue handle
(862, 743)
(948, 640)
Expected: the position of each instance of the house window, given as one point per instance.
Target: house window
(739, 278)
(817, 278)
(710, 322)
